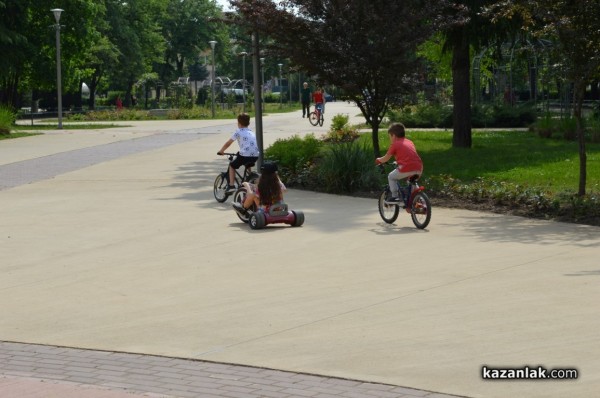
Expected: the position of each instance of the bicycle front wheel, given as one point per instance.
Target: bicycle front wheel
(220, 188)
(321, 120)
(313, 118)
(388, 212)
(420, 210)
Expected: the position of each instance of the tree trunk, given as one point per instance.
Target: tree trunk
(579, 91)
(375, 137)
(462, 94)
(93, 84)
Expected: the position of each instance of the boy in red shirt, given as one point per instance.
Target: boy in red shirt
(408, 160)
(319, 100)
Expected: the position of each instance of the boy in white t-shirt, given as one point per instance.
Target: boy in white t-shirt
(248, 153)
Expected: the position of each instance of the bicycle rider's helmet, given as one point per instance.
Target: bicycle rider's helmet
(269, 167)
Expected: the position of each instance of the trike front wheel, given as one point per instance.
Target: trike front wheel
(240, 196)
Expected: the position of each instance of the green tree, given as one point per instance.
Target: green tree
(14, 47)
(136, 33)
(187, 27)
(367, 47)
(471, 29)
(574, 27)
(28, 45)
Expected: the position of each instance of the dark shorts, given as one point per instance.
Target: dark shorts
(240, 160)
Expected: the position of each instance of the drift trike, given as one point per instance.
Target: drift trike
(275, 214)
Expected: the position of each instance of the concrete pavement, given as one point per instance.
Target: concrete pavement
(132, 254)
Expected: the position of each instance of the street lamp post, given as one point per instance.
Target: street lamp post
(212, 80)
(280, 87)
(57, 12)
(262, 87)
(243, 54)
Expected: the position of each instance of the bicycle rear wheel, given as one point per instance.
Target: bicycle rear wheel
(313, 118)
(252, 178)
(388, 212)
(420, 210)
(220, 188)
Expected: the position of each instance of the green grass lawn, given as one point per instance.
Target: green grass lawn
(517, 157)
(66, 126)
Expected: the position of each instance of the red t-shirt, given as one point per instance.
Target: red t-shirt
(406, 155)
(318, 97)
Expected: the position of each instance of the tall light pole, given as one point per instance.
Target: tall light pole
(212, 80)
(280, 87)
(57, 12)
(262, 87)
(243, 54)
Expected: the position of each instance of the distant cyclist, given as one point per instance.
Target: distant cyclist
(248, 153)
(319, 100)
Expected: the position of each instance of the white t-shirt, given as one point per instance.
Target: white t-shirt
(247, 142)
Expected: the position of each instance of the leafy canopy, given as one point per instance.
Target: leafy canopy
(367, 47)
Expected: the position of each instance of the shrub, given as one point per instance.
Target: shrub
(427, 115)
(424, 115)
(191, 113)
(347, 168)
(7, 119)
(112, 115)
(513, 116)
(568, 128)
(293, 155)
(544, 126)
(340, 131)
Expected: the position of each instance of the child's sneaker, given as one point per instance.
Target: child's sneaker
(239, 208)
(230, 188)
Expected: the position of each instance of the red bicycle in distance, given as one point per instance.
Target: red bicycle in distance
(316, 116)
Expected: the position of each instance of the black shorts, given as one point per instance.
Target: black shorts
(240, 160)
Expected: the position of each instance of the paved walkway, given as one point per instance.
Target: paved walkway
(28, 370)
(111, 243)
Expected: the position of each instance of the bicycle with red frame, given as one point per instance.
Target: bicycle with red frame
(414, 200)
(316, 116)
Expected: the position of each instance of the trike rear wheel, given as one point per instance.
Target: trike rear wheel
(298, 218)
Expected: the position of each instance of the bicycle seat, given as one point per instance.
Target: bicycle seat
(251, 164)
(414, 178)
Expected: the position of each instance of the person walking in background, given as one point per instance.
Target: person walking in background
(306, 94)
(119, 103)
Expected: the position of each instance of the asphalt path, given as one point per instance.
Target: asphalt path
(131, 253)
